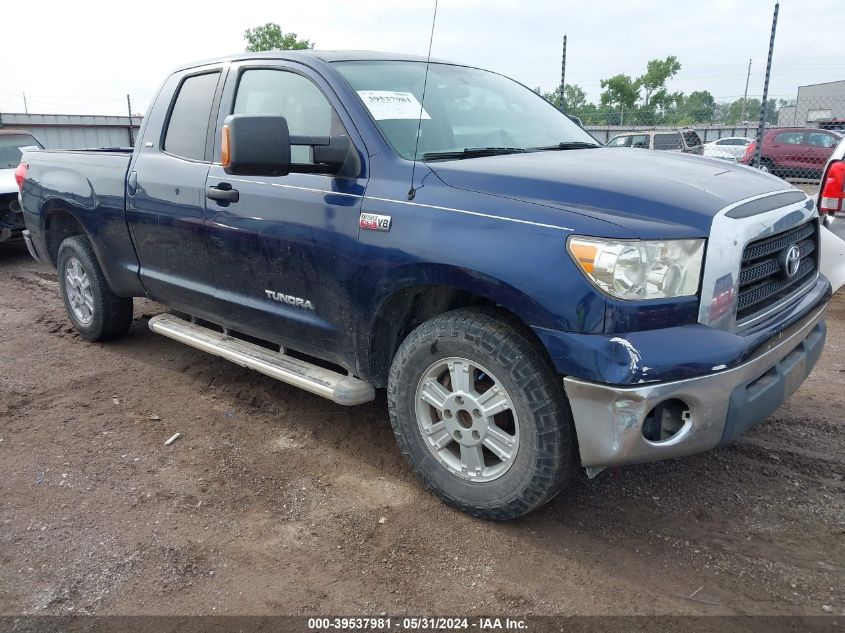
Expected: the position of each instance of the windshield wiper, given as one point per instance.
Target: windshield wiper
(567, 145)
(472, 152)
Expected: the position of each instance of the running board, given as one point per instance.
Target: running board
(346, 390)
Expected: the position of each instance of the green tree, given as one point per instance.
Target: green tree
(574, 98)
(698, 107)
(553, 97)
(619, 92)
(658, 72)
(738, 114)
(269, 37)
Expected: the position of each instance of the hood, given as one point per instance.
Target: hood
(652, 194)
(7, 181)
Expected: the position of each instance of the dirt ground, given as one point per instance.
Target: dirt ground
(274, 501)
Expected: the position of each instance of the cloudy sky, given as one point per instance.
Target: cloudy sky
(85, 56)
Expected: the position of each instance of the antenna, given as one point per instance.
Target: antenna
(412, 191)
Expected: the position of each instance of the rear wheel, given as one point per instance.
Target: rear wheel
(481, 415)
(767, 166)
(95, 311)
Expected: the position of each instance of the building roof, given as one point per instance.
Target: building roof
(823, 83)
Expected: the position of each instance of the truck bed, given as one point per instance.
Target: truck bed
(88, 186)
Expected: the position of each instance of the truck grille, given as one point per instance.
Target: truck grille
(762, 277)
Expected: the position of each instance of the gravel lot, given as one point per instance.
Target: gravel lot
(274, 501)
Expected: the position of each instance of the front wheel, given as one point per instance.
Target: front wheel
(481, 414)
(97, 313)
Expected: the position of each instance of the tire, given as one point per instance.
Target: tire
(542, 455)
(95, 311)
(767, 166)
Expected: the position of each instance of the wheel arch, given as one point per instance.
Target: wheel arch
(409, 304)
(59, 224)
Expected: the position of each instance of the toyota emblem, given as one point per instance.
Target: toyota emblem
(792, 261)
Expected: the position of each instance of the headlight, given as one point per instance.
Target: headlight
(640, 269)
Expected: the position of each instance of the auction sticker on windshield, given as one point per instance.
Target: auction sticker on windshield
(387, 104)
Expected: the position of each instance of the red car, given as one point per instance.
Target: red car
(794, 151)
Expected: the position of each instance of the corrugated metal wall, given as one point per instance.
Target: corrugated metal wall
(74, 131)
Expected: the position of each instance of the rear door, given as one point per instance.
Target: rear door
(285, 252)
(668, 142)
(166, 192)
(820, 146)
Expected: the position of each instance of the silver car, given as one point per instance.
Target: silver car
(831, 204)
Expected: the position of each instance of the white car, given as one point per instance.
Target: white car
(12, 143)
(722, 155)
(733, 145)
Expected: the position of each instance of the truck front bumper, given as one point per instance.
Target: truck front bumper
(719, 406)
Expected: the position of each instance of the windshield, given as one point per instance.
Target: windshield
(10, 148)
(465, 108)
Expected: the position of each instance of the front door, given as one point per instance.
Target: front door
(284, 252)
(166, 195)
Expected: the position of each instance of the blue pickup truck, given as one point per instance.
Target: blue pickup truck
(532, 302)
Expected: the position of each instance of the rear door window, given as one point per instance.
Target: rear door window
(640, 140)
(791, 138)
(187, 128)
(819, 139)
(668, 142)
(11, 148)
(692, 138)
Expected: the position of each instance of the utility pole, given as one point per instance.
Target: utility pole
(563, 72)
(129, 109)
(25, 107)
(762, 124)
(745, 96)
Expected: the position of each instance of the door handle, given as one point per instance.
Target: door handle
(222, 192)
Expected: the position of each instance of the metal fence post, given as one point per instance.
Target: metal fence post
(762, 124)
(129, 108)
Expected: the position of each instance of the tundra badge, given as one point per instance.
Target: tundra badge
(289, 299)
(374, 222)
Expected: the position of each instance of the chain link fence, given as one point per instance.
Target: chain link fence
(798, 136)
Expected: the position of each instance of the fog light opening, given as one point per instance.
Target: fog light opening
(666, 420)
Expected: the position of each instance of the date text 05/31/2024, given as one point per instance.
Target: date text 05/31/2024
(416, 624)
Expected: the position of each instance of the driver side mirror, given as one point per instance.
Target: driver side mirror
(255, 145)
(260, 145)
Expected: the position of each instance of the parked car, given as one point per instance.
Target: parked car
(687, 141)
(531, 301)
(831, 203)
(794, 152)
(835, 125)
(11, 144)
(721, 155)
(832, 189)
(732, 145)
